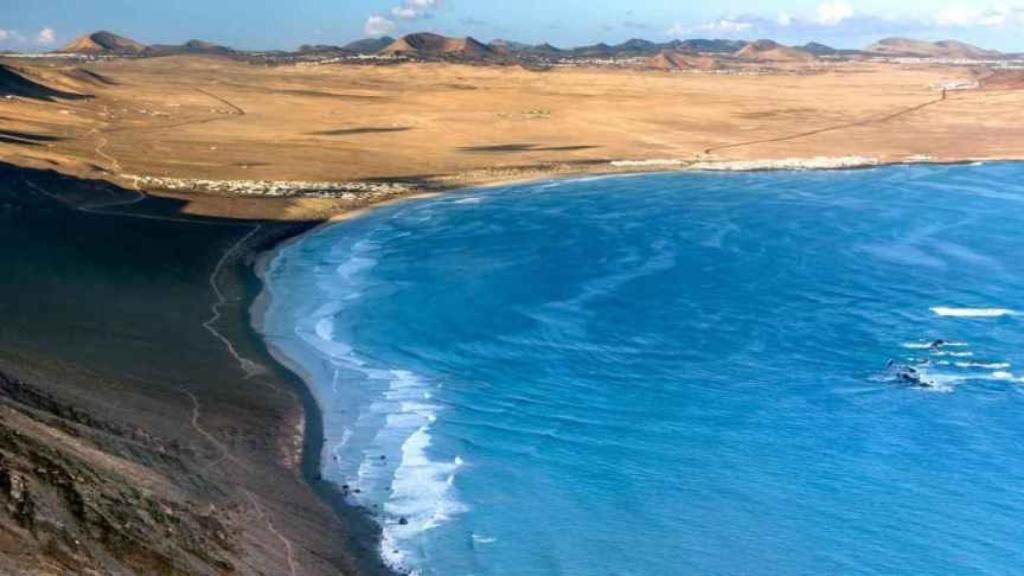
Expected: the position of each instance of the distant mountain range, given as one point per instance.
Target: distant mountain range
(630, 48)
(665, 55)
(921, 49)
(108, 43)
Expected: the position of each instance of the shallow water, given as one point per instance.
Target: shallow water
(676, 374)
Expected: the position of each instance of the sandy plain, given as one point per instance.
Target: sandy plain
(414, 127)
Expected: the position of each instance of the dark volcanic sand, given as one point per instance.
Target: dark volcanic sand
(105, 462)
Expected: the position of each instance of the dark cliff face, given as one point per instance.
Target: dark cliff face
(131, 440)
(83, 495)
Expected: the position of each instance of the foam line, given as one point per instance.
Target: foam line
(972, 312)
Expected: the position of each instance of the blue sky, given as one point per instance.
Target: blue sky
(28, 25)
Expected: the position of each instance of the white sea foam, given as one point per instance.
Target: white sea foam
(382, 451)
(325, 329)
(938, 381)
(929, 344)
(941, 382)
(479, 539)
(469, 200)
(953, 354)
(547, 185)
(983, 365)
(972, 312)
(416, 492)
(999, 375)
(422, 498)
(346, 437)
(318, 332)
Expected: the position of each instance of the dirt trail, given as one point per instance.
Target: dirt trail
(854, 124)
(248, 366)
(100, 208)
(225, 454)
(237, 111)
(224, 101)
(288, 548)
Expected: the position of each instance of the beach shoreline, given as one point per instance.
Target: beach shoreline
(366, 541)
(264, 256)
(357, 205)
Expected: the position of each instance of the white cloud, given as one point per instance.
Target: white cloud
(967, 16)
(727, 26)
(996, 16)
(833, 13)
(378, 26)
(954, 16)
(46, 36)
(404, 12)
(723, 26)
(413, 9)
(827, 19)
(10, 37)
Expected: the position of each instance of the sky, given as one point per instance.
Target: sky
(39, 25)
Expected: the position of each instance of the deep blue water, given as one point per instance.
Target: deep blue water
(676, 374)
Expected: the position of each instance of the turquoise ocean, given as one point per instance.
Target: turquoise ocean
(691, 373)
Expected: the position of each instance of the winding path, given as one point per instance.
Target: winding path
(115, 166)
(288, 548)
(226, 455)
(248, 366)
(100, 208)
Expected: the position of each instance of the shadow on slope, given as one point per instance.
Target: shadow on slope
(13, 83)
